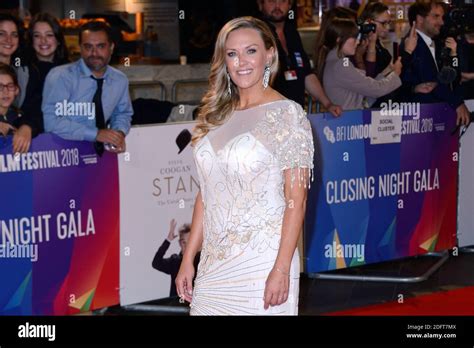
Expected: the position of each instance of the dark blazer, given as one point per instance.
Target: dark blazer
(422, 68)
(296, 60)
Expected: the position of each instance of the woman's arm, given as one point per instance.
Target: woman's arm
(350, 78)
(184, 279)
(277, 285)
(316, 90)
(466, 76)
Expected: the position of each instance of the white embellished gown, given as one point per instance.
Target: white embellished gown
(241, 170)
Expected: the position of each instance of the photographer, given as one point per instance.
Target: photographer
(344, 83)
(371, 55)
(422, 75)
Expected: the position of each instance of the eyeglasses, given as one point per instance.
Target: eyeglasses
(10, 87)
(384, 23)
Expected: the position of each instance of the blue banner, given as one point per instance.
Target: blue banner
(385, 186)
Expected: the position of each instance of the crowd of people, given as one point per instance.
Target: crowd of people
(42, 91)
(253, 144)
(351, 71)
(253, 141)
(362, 73)
(23, 68)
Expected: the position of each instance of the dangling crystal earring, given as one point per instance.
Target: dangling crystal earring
(266, 76)
(229, 90)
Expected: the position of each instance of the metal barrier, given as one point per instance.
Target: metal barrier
(134, 85)
(188, 82)
(313, 104)
(441, 258)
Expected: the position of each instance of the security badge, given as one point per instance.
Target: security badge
(299, 60)
(290, 75)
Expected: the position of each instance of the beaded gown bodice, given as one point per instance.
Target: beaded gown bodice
(241, 168)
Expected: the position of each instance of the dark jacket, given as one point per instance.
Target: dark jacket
(422, 68)
(296, 60)
(13, 117)
(170, 265)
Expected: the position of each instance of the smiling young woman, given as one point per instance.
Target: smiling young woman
(250, 146)
(223, 95)
(46, 49)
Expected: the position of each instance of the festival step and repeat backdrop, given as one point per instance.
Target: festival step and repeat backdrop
(386, 186)
(59, 228)
(80, 232)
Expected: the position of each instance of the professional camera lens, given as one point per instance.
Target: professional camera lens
(367, 28)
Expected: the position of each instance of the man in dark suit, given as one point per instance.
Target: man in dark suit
(421, 76)
(170, 265)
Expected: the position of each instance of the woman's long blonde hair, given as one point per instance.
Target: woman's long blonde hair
(217, 104)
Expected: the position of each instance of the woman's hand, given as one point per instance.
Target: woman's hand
(452, 45)
(184, 281)
(397, 66)
(276, 289)
(361, 49)
(411, 40)
(22, 139)
(335, 110)
(5, 128)
(372, 37)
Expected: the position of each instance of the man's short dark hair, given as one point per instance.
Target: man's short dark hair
(96, 26)
(422, 8)
(186, 228)
(372, 10)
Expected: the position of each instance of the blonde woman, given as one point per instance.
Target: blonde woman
(254, 153)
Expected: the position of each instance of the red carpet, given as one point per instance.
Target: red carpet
(452, 302)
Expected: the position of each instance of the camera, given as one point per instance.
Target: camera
(459, 19)
(366, 28)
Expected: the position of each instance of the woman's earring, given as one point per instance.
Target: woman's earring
(229, 90)
(266, 76)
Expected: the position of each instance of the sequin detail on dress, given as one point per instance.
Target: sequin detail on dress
(241, 167)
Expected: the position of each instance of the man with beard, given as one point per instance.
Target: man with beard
(421, 75)
(295, 73)
(80, 99)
